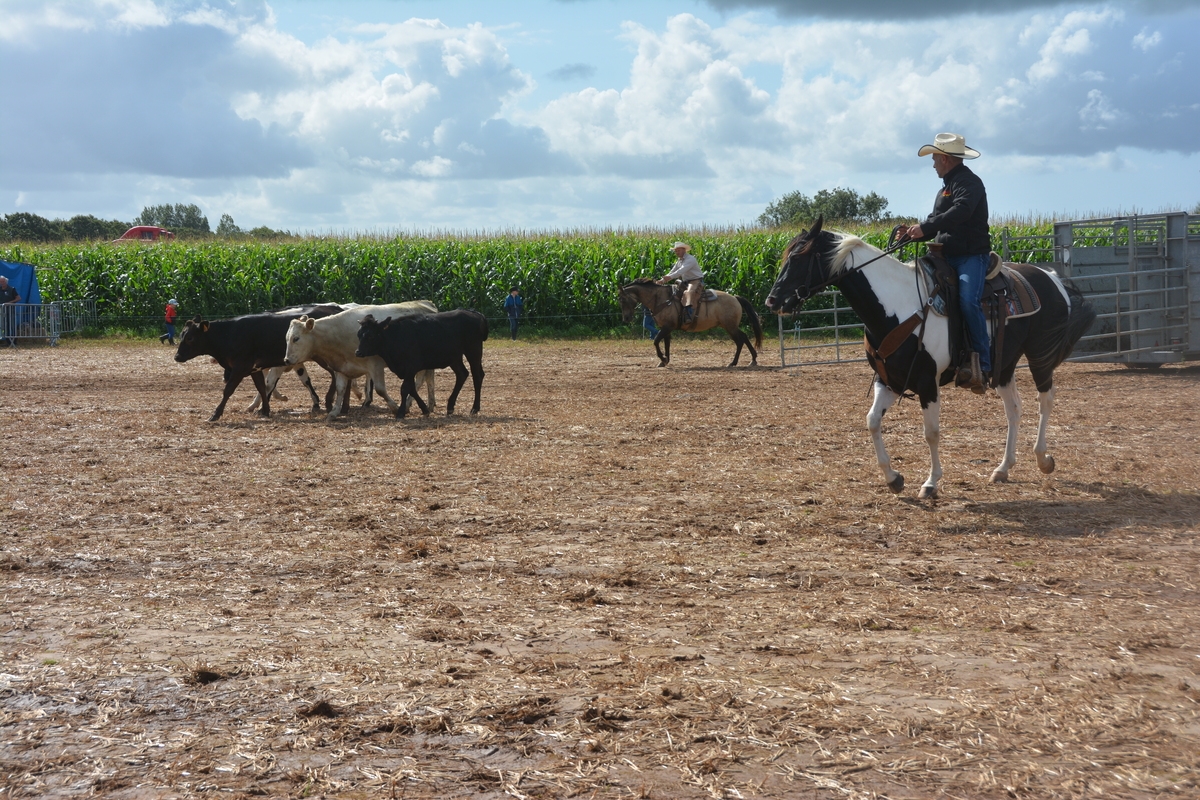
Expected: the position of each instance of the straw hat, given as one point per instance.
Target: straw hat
(951, 144)
(678, 245)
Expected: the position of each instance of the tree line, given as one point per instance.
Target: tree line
(186, 221)
(836, 205)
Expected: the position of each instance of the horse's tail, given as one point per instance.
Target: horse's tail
(1062, 339)
(755, 321)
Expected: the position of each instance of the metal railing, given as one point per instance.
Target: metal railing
(827, 340)
(1121, 319)
(44, 321)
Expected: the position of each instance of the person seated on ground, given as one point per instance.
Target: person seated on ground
(8, 297)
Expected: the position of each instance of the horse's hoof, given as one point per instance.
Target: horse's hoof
(1046, 464)
(927, 493)
(896, 484)
(998, 477)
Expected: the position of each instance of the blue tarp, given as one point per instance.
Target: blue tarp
(23, 278)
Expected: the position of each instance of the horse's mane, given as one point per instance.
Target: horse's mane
(642, 281)
(846, 244)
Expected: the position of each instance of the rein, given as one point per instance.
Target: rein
(891, 248)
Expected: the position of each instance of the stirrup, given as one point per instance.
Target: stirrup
(970, 376)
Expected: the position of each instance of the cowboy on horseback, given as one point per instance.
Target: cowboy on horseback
(691, 280)
(959, 222)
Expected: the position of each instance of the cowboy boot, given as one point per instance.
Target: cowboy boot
(163, 339)
(978, 384)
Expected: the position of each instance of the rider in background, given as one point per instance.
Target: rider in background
(960, 223)
(691, 279)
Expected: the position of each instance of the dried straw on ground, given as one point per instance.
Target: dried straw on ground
(617, 581)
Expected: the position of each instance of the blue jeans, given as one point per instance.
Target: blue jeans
(648, 324)
(971, 272)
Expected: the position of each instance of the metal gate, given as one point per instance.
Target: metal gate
(44, 321)
(1140, 273)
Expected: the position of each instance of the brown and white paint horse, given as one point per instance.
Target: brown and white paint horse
(885, 292)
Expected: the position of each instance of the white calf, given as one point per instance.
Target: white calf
(332, 341)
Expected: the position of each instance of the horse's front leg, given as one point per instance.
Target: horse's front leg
(931, 415)
(884, 399)
(665, 339)
(1012, 412)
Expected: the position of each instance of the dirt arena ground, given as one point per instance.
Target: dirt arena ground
(617, 581)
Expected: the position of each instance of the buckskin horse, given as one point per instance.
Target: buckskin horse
(888, 294)
(725, 311)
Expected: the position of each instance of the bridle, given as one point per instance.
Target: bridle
(804, 292)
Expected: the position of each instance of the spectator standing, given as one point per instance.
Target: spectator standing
(513, 305)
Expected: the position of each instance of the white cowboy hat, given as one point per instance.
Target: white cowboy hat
(951, 144)
(678, 245)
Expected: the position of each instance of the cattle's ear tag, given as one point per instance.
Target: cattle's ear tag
(204, 326)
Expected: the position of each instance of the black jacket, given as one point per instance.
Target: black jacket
(960, 215)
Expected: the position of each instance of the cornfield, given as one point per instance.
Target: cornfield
(566, 279)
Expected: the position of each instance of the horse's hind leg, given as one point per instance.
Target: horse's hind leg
(1012, 411)
(736, 353)
(741, 339)
(1045, 461)
(884, 398)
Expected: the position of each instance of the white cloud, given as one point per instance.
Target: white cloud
(422, 120)
(1068, 41)
(1146, 41)
(1099, 112)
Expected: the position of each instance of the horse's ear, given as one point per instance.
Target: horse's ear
(817, 228)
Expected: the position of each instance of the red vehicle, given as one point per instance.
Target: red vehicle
(145, 233)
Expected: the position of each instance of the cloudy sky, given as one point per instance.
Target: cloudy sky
(477, 115)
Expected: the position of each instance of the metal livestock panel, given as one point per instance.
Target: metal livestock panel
(1141, 274)
(48, 321)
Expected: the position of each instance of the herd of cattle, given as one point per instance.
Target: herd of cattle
(411, 339)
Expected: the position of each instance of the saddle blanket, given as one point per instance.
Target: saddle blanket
(1013, 288)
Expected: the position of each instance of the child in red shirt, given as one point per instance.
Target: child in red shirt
(171, 314)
